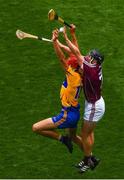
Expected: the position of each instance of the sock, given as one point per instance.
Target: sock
(64, 139)
(61, 138)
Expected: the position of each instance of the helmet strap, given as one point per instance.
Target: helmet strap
(91, 60)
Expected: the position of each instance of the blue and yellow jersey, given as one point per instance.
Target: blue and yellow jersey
(70, 89)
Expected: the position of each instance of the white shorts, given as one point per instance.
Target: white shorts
(94, 111)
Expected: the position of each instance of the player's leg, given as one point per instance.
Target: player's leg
(89, 161)
(91, 138)
(46, 128)
(69, 121)
(92, 114)
(75, 138)
(88, 137)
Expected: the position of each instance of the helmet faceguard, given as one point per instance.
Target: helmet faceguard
(95, 54)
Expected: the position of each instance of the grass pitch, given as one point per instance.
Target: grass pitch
(30, 79)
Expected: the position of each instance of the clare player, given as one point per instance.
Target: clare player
(91, 66)
(69, 94)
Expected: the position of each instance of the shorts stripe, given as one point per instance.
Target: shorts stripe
(62, 120)
(92, 112)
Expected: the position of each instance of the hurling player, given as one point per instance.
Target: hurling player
(91, 66)
(69, 94)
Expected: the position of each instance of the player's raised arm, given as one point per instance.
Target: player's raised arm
(74, 49)
(73, 35)
(64, 47)
(74, 40)
(58, 50)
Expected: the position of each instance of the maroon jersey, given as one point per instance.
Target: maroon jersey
(92, 80)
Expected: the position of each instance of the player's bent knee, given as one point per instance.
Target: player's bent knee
(35, 128)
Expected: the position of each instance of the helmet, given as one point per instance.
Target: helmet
(72, 61)
(95, 54)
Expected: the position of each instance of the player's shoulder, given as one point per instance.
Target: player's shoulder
(72, 71)
(72, 74)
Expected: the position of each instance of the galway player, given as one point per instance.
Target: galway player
(94, 102)
(69, 94)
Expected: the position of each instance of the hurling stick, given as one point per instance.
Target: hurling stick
(21, 35)
(52, 15)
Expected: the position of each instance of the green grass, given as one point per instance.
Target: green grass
(30, 79)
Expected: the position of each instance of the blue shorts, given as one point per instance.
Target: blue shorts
(68, 117)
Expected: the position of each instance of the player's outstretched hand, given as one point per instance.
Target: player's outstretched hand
(55, 34)
(72, 29)
(64, 31)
